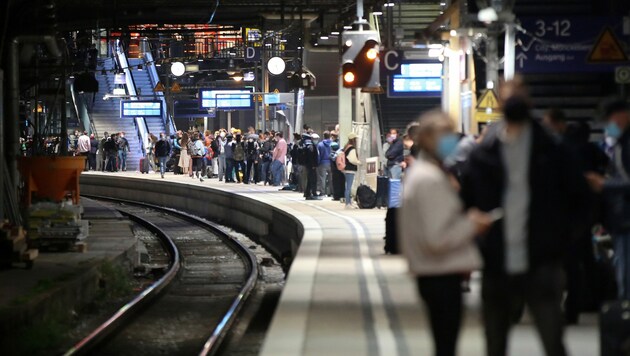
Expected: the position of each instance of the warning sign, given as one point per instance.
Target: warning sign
(488, 100)
(488, 107)
(176, 88)
(276, 91)
(159, 87)
(607, 49)
(258, 98)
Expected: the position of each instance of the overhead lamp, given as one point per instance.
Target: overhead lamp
(377, 13)
(158, 64)
(487, 15)
(335, 33)
(453, 33)
(238, 76)
(323, 37)
(178, 69)
(199, 59)
(71, 76)
(347, 27)
(389, 4)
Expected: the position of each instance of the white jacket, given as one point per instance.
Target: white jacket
(435, 234)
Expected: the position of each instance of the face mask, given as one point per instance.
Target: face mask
(612, 130)
(222, 135)
(610, 141)
(392, 138)
(446, 145)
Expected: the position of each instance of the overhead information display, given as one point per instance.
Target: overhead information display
(226, 98)
(416, 79)
(140, 108)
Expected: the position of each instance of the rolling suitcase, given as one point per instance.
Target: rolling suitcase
(144, 165)
(614, 328)
(382, 192)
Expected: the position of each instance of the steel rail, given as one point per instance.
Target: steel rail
(213, 343)
(131, 308)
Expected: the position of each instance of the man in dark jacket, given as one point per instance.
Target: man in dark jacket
(93, 149)
(541, 192)
(324, 172)
(162, 152)
(309, 158)
(395, 155)
(110, 152)
(616, 189)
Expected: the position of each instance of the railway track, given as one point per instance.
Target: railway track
(191, 308)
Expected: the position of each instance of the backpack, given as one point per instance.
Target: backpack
(340, 160)
(239, 152)
(366, 197)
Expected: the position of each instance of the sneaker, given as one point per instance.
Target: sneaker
(349, 207)
(200, 179)
(162, 175)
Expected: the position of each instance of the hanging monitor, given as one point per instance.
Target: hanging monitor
(226, 99)
(418, 78)
(140, 108)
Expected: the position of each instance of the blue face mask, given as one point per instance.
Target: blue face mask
(612, 130)
(446, 145)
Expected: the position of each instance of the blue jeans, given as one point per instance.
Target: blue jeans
(277, 171)
(162, 161)
(122, 160)
(349, 181)
(622, 264)
(395, 171)
(264, 171)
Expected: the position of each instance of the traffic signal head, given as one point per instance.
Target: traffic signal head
(360, 60)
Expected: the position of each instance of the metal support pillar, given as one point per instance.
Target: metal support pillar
(63, 149)
(492, 55)
(509, 62)
(3, 120)
(345, 113)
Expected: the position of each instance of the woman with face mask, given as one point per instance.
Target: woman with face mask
(437, 235)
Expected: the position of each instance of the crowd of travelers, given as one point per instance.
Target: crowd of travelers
(316, 166)
(519, 202)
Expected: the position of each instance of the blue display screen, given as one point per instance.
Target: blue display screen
(138, 108)
(226, 99)
(417, 79)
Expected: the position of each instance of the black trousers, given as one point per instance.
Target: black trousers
(92, 161)
(311, 181)
(229, 170)
(197, 164)
(541, 290)
(252, 168)
(443, 298)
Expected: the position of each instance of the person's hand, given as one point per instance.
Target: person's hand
(403, 164)
(482, 220)
(595, 180)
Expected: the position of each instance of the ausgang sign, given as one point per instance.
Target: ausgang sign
(571, 44)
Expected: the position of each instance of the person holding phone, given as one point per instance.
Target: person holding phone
(437, 235)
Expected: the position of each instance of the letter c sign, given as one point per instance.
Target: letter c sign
(391, 61)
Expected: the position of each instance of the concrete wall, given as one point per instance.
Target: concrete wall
(276, 230)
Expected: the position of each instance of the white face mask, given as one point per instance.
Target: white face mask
(222, 135)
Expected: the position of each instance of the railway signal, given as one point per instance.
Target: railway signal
(360, 59)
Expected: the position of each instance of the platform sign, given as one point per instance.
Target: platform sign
(140, 108)
(571, 44)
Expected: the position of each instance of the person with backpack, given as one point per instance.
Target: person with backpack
(348, 162)
(198, 151)
(239, 158)
(324, 171)
(252, 152)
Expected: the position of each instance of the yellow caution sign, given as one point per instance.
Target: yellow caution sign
(607, 49)
(258, 98)
(159, 87)
(488, 100)
(488, 107)
(276, 91)
(176, 88)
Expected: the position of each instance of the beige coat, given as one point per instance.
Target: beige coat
(436, 236)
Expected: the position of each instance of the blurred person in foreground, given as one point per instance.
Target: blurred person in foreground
(437, 235)
(520, 168)
(615, 189)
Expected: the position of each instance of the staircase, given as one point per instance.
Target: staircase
(145, 86)
(106, 116)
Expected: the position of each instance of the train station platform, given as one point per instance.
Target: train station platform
(342, 295)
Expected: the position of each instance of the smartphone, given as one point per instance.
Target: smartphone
(496, 214)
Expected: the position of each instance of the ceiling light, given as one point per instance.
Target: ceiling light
(238, 76)
(377, 13)
(453, 33)
(335, 33)
(158, 64)
(347, 27)
(389, 4)
(487, 15)
(323, 37)
(178, 69)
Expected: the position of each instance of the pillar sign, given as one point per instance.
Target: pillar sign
(252, 54)
(391, 62)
